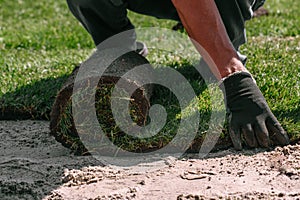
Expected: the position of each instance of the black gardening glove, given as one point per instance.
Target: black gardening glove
(250, 118)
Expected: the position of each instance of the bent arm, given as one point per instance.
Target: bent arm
(204, 25)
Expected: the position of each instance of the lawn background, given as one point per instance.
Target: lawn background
(41, 42)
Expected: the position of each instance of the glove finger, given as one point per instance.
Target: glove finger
(277, 133)
(262, 134)
(235, 136)
(249, 136)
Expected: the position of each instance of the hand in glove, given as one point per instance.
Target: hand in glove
(250, 117)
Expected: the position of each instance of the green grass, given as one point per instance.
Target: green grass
(41, 42)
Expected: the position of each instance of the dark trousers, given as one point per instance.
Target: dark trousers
(105, 18)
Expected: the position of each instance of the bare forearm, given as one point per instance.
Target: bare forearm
(204, 25)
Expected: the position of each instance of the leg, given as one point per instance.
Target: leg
(103, 18)
(233, 20)
(234, 13)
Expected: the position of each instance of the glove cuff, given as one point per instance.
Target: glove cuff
(244, 73)
(236, 85)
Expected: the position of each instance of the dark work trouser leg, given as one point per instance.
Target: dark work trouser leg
(103, 19)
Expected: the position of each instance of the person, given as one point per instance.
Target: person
(217, 29)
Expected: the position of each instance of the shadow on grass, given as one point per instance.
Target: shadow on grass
(32, 101)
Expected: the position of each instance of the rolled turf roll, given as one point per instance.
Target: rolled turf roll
(62, 125)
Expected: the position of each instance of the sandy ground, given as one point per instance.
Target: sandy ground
(34, 166)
